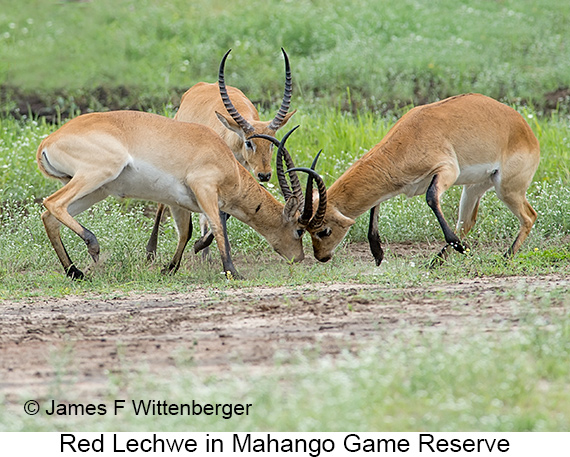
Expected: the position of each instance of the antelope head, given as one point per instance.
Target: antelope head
(256, 154)
(326, 225)
(308, 219)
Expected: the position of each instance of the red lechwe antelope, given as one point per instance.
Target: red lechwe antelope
(142, 155)
(470, 140)
(233, 116)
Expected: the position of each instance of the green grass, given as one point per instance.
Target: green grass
(123, 227)
(344, 137)
(357, 67)
(142, 53)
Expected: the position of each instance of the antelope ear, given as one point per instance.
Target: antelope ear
(230, 124)
(290, 209)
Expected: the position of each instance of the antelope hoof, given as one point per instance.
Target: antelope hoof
(169, 269)
(440, 257)
(232, 275)
(93, 249)
(437, 261)
(459, 247)
(378, 257)
(74, 273)
(92, 245)
(150, 255)
(376, 249)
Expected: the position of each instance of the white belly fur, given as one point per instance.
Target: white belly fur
(473, 174)
(146, 182)
(478, 173)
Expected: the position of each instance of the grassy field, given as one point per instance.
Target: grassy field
(504, 379)
(146, 53)
(357, 68)
(344, 138)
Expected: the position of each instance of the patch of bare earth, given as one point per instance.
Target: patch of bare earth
(79, 341)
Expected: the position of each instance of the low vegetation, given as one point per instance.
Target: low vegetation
(123, 226)
(357, 67)
(143, 54)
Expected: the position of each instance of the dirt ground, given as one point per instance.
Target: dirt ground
(82, 339)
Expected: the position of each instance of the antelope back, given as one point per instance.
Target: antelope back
(232, 115)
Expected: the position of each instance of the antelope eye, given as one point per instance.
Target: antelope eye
(248, 144)
(300, 232)
(323, 233)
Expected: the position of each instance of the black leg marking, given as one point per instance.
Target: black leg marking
(207, 239)
(203, 242)
(432, 198)
(74, 273)
(224, 218)
(374, 237)
(153, 240)
(229, 269)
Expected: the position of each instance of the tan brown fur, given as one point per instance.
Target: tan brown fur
(203, 104)
(470, 140)
(200, 104)
(141, 155)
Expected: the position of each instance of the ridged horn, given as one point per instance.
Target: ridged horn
(305, 217)
(316, 221)
(283, 154)
(277, 121)
(232, 111)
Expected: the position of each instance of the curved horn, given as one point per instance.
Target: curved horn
(283, 154)
(232, 111)
(283, 184)
(314, 164)
(316, 221)
(277, 122)
(305, 218)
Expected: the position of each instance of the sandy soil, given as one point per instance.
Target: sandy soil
(84, 339)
